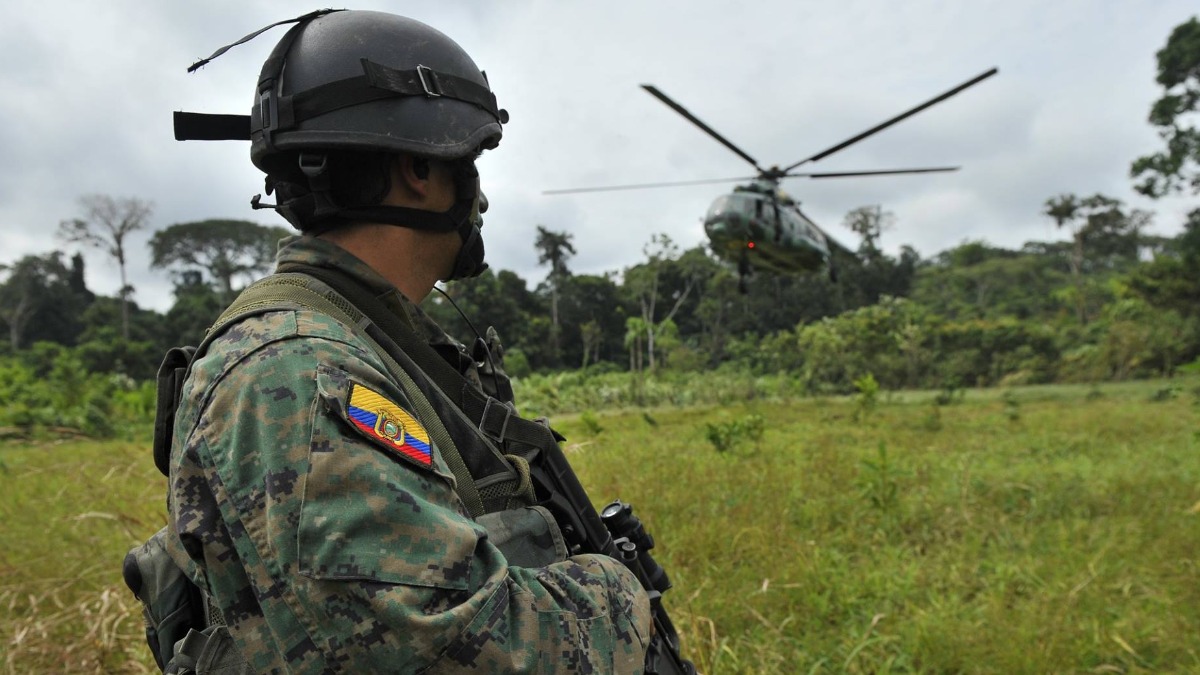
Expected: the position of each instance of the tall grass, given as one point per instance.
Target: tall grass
(1062, 540)
(69, 511)
(579, 391)
(1036, 530)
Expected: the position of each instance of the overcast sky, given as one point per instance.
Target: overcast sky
(88, 91)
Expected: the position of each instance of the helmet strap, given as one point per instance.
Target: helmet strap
(316, 212)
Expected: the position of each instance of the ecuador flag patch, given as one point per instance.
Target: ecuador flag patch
(384, 421)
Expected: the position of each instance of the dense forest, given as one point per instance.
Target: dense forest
(1106, 301)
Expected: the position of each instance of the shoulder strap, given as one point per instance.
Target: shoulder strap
(495, 419)
(280, 291)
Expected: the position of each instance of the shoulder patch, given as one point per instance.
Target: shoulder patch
(389, 425)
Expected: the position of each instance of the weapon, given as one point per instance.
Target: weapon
(618, 534)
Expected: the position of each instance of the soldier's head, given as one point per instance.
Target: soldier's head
(368, 117)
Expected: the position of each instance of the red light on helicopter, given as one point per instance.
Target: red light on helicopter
(749, 244)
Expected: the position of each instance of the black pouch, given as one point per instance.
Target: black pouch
(171, 374)
(171, 604)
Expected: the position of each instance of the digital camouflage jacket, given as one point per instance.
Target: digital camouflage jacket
(314, 509)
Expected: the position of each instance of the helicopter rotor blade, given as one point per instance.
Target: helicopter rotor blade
(641, 186)
(884, 172)
(902, 116)
(695, 120)
(736, 179)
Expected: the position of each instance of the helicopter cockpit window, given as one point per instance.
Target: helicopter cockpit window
(729, 204)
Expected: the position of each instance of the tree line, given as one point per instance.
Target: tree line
(1110, 301)
(44, 298)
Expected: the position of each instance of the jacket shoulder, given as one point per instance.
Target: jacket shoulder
(272, 344)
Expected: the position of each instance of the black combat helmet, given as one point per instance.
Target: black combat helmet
(370, 81)
(344, 88)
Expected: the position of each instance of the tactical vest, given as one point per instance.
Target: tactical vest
(484, 442)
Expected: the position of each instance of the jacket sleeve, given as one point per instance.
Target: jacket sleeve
(329, 552)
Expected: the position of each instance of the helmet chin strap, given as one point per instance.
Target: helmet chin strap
(469, 261)
(462, 217)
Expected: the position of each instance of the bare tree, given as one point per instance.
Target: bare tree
(106, 224)
(869, 222)
(644, 281)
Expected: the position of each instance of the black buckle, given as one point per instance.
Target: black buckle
(483, 419)
(313, 164)
(268, 110)
(432, 92)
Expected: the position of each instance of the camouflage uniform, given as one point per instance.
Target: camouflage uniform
(327, 553)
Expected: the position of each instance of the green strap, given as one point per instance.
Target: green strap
(489, 415)
(282, 291)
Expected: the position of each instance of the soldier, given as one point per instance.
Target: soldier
(339, 507)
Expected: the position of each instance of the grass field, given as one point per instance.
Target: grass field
(1034, 530)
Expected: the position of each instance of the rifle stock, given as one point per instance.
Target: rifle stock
(586, 531)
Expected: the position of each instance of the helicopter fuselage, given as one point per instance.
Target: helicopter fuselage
(757, 226)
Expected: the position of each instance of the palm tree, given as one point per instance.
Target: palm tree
(554, 248)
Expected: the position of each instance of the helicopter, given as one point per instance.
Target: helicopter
(758, 225)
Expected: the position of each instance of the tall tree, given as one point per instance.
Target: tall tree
(224, 249)
(593, 319)
(646, 283)
(494, 298)
(1064, 210)
(20, 294)
(719, 300)
(1112, 235)
(869, 222)
(38, 300)
(591, 335)
(76, 280)
(554, 248)
(106, 224)
(635, 330)
(978, 281)
(196, 306)
(1103, 235)
(874, 274)
(1179, 74)
(1172, 280)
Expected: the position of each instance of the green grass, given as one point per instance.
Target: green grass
(1051, 530)
(1032, 530)
(69, 512)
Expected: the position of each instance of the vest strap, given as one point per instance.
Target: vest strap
(471, 401)
(283, 290)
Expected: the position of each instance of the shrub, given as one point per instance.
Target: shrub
(48, 388)
(724, 436)
(868, 396)
(591, 424)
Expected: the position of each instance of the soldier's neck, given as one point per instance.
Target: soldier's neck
(400, 255)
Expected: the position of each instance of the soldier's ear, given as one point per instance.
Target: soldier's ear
(413, 174)
(421, 167)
